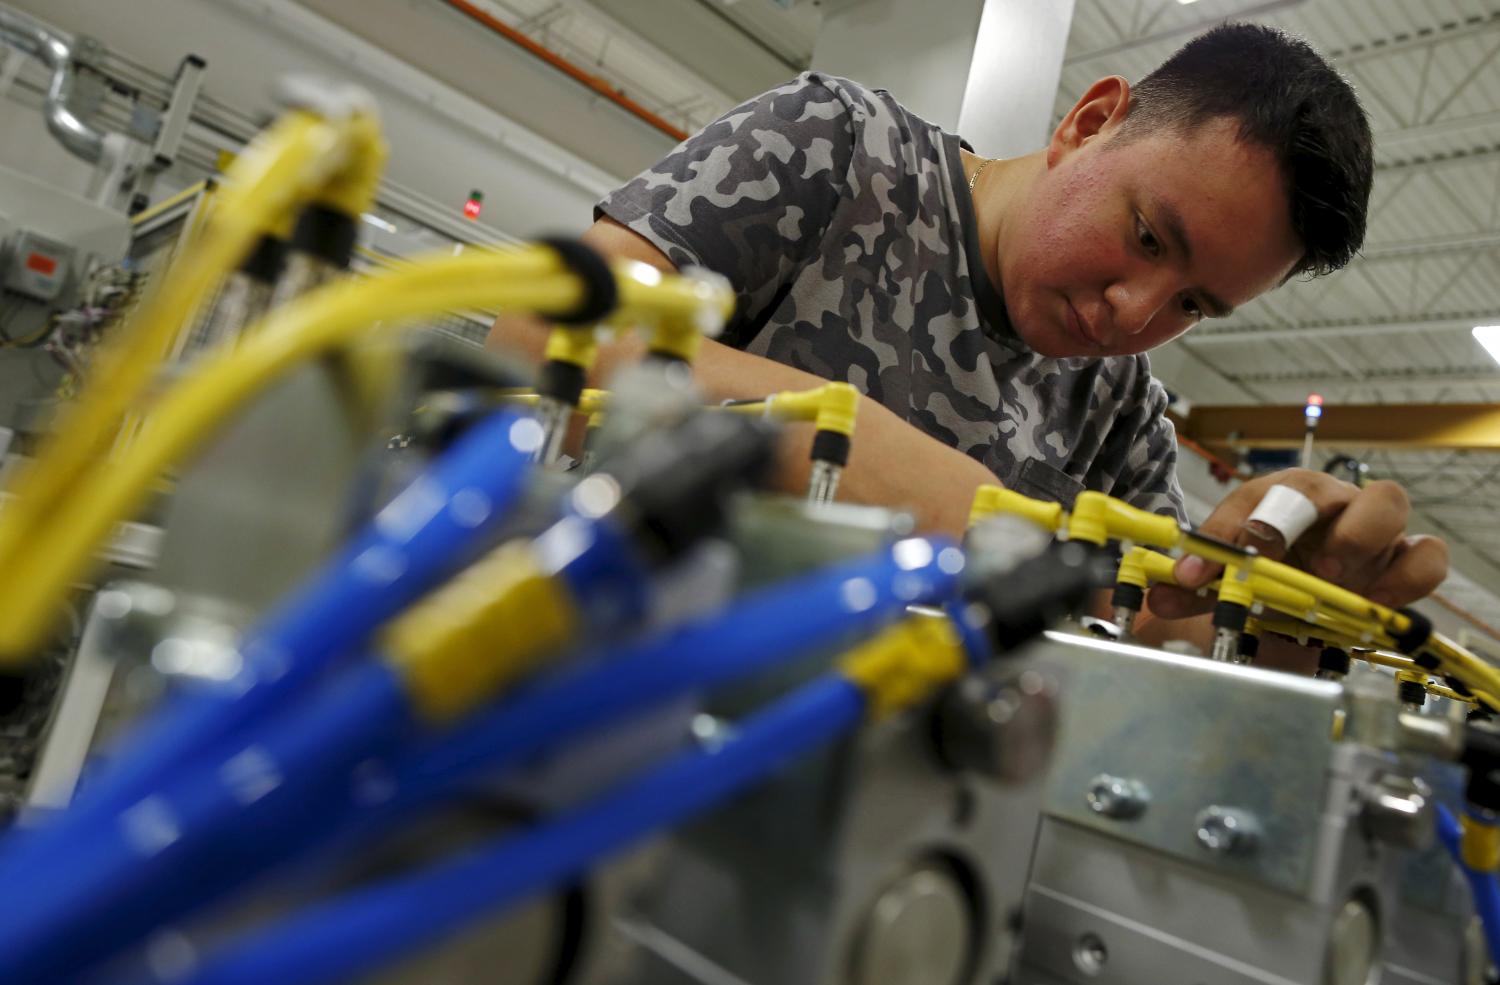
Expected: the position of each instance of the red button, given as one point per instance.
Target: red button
(41, 263)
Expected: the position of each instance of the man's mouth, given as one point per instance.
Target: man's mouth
(1081, 328)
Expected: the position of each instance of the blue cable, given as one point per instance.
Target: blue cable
(1482, 885)
(773, 626)
(206, 831)
(362, 931)
(432, 529)
(314, 747)
(769, 628)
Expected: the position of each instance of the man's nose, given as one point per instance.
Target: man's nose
(1135, 302)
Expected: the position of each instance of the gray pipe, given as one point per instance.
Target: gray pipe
(55, 50)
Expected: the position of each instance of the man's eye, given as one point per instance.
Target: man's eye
(1191, 308)
(1147, 238)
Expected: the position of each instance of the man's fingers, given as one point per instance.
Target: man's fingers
(1231, 520)
(1171, 602)
(1358, 542)
(1418, 567)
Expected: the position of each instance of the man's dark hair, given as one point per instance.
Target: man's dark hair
(1286, 98)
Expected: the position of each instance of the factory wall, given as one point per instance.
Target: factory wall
(477, 113)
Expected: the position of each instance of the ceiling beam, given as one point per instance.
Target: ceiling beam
(1410, 40)
(1420, 163)
(1450, 376)
(1195, 27)
(1423, 132)
(1453, 322)
(1469, 426)
(1486, 239)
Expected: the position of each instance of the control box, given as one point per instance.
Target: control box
(35, 266)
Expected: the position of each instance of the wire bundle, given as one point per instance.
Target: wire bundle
(376, 660)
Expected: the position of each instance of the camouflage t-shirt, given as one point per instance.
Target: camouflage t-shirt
(845, 224)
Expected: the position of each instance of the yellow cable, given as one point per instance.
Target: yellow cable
(830, 407)
(590, 402)
(1097, 518)
(989, 500)
(314, 325)
(1440, 691)
(280, 168)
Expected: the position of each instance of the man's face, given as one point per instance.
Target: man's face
(1127, 243)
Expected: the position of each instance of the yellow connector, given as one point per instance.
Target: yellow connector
(486, 629)
(352, 189)
(1480, 843)
(1126, 522)
(837, 409)
(1234, 587)
(1133, 568)
(905, 663)
(1089, 521)
(830, 407)
(577, 346)
(989, 500)
(1159, 568)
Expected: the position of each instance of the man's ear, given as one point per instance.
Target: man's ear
(1099, 111)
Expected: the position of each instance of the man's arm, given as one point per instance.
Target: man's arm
(891, 463)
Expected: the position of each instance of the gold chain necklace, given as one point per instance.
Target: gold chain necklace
(979, 171)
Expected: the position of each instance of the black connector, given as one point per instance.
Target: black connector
(677, 481)
(1249, 646)
(1334, 660)
(1130, 597)
(1411, 693)
(327, 234)
(600, 292)
(831, 447)
(1481, 757)
(1230, 616)
(266, 260)
(1022, 602)
(561, 381)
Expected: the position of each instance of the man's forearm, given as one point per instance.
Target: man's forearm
(891, 463)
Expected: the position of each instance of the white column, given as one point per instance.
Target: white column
(987, 69)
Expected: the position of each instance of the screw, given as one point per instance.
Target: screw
(1118, 797)
(1227, 830)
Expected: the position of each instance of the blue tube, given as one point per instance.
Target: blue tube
(605, 573)
(361, 932)
(772, 627)
(432, 529)
(210, 829)
(1482, 885)
(822, 610)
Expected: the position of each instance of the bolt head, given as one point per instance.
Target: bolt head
(1227, 831)
(1116, 797)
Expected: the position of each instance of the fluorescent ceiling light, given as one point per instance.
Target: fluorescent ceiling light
(1186, 2)
(1489, 337)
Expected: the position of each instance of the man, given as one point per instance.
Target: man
(995, 313)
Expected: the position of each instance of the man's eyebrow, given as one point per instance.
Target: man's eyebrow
(1171, 226)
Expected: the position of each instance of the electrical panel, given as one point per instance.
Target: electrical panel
(35, 266)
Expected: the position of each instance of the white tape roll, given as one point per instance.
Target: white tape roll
(1287, 511)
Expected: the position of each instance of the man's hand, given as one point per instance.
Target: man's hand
(1359, 541)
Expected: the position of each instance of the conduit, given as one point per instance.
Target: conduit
(572, 71)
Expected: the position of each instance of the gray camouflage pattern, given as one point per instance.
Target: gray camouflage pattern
(845, 224)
